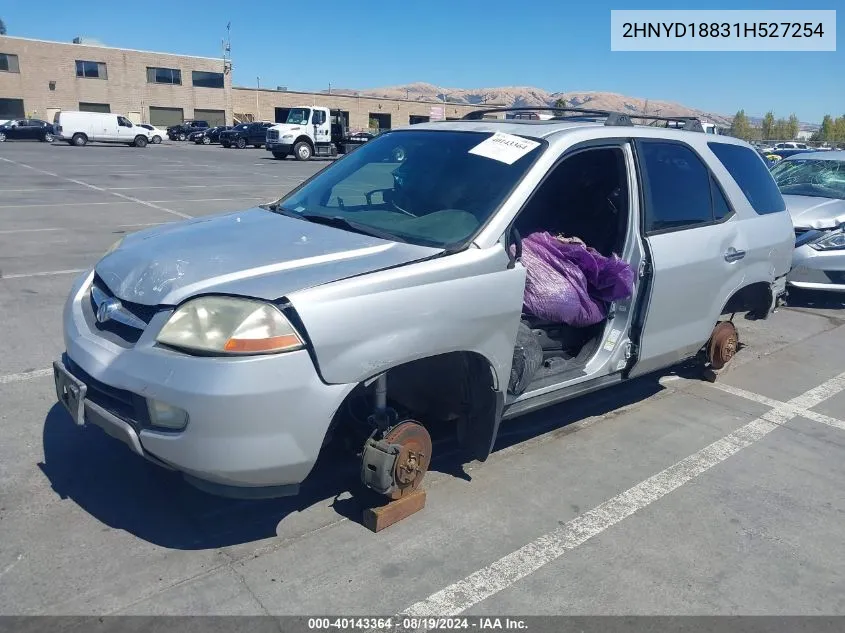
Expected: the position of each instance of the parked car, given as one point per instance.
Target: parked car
(81, 128)
(196, 134)
(786, 153)
(240, 136)
(180, 132)
(386, 293)
(157, 135)
(26, 129)
(813, 186)
(211, 135)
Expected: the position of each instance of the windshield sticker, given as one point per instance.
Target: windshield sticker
(505, 148)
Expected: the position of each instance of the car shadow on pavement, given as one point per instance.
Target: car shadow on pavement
(125, 492)
(815, 299)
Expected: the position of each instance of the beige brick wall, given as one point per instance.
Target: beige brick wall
(126, 89)
(262, 105)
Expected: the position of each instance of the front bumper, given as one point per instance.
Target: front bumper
(817, 270)
(275, 146)
(255, 424)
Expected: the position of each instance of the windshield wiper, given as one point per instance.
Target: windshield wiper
(275, 207)
(350, 225)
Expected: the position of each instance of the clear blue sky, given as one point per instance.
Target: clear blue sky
(456, 43)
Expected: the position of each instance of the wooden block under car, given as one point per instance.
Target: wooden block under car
(378, 518)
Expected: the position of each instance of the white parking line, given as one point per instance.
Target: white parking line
(132, 201)
(509, 569)
(96, 188)
(8, 231)
(798, 409)
(46, 273)
(209, 186)
(25, 375)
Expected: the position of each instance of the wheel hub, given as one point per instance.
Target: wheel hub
(724, 343)
(396, 464)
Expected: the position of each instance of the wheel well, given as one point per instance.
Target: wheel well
(755, 298)
(447, 389)
(82, 134)
(306, 139)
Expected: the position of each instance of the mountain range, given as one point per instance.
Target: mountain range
(527, 96)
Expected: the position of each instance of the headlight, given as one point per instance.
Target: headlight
(831, 241)
(226, 325)
(114, 246)
(288, 137)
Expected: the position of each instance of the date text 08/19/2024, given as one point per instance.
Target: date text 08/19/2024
(416, 623)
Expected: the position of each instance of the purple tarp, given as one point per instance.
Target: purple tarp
(570, 283)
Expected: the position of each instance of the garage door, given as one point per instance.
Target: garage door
(94, 107)
(214, 117)
(11, 109)
(165, 117)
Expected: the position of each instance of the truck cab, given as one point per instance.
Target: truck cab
(312, 131)
(306, 132)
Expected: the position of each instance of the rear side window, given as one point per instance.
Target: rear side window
(677, 187)
(748, 170)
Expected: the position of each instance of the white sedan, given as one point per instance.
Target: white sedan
(156, 135)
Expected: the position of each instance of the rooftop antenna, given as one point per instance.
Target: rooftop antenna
(227, 50)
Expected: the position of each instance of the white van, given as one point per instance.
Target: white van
(81, 128)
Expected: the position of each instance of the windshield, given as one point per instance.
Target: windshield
(242, 126)
(298, 116)
(811, 177)
(423, 187)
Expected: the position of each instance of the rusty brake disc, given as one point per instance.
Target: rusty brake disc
(724, 343)
(414, 456)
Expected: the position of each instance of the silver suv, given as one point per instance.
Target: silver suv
(456, 273)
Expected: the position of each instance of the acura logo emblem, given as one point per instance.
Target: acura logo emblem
(106, 309)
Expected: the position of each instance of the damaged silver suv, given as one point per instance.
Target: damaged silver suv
(459, 273)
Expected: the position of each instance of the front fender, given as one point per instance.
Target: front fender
(467, 301)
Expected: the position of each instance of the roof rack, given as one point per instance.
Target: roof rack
(611, 118)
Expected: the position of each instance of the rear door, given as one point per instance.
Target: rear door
(694, 247)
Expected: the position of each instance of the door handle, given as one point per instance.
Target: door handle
(733, 255)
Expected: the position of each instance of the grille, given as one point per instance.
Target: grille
(120, 333)
(273, 135)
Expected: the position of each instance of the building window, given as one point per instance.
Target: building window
(9, 63)
(164, 76)
(91, 70)
(94, 107)
(203, 79)
(11, 109)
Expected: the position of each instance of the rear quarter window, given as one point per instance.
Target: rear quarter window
(749, 171)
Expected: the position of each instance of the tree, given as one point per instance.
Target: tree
(740, 127)
(560, 103)
(768, 125)
(2, 28)
(792, 127)
(825, 132)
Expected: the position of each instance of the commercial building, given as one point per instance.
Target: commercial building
(39, 78)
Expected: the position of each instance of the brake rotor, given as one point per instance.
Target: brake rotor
(724, 343)
(414, 456)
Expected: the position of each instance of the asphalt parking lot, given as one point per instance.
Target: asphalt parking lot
(669, 495)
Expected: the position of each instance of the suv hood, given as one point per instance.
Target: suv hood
(810, 212)
(253, 253)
